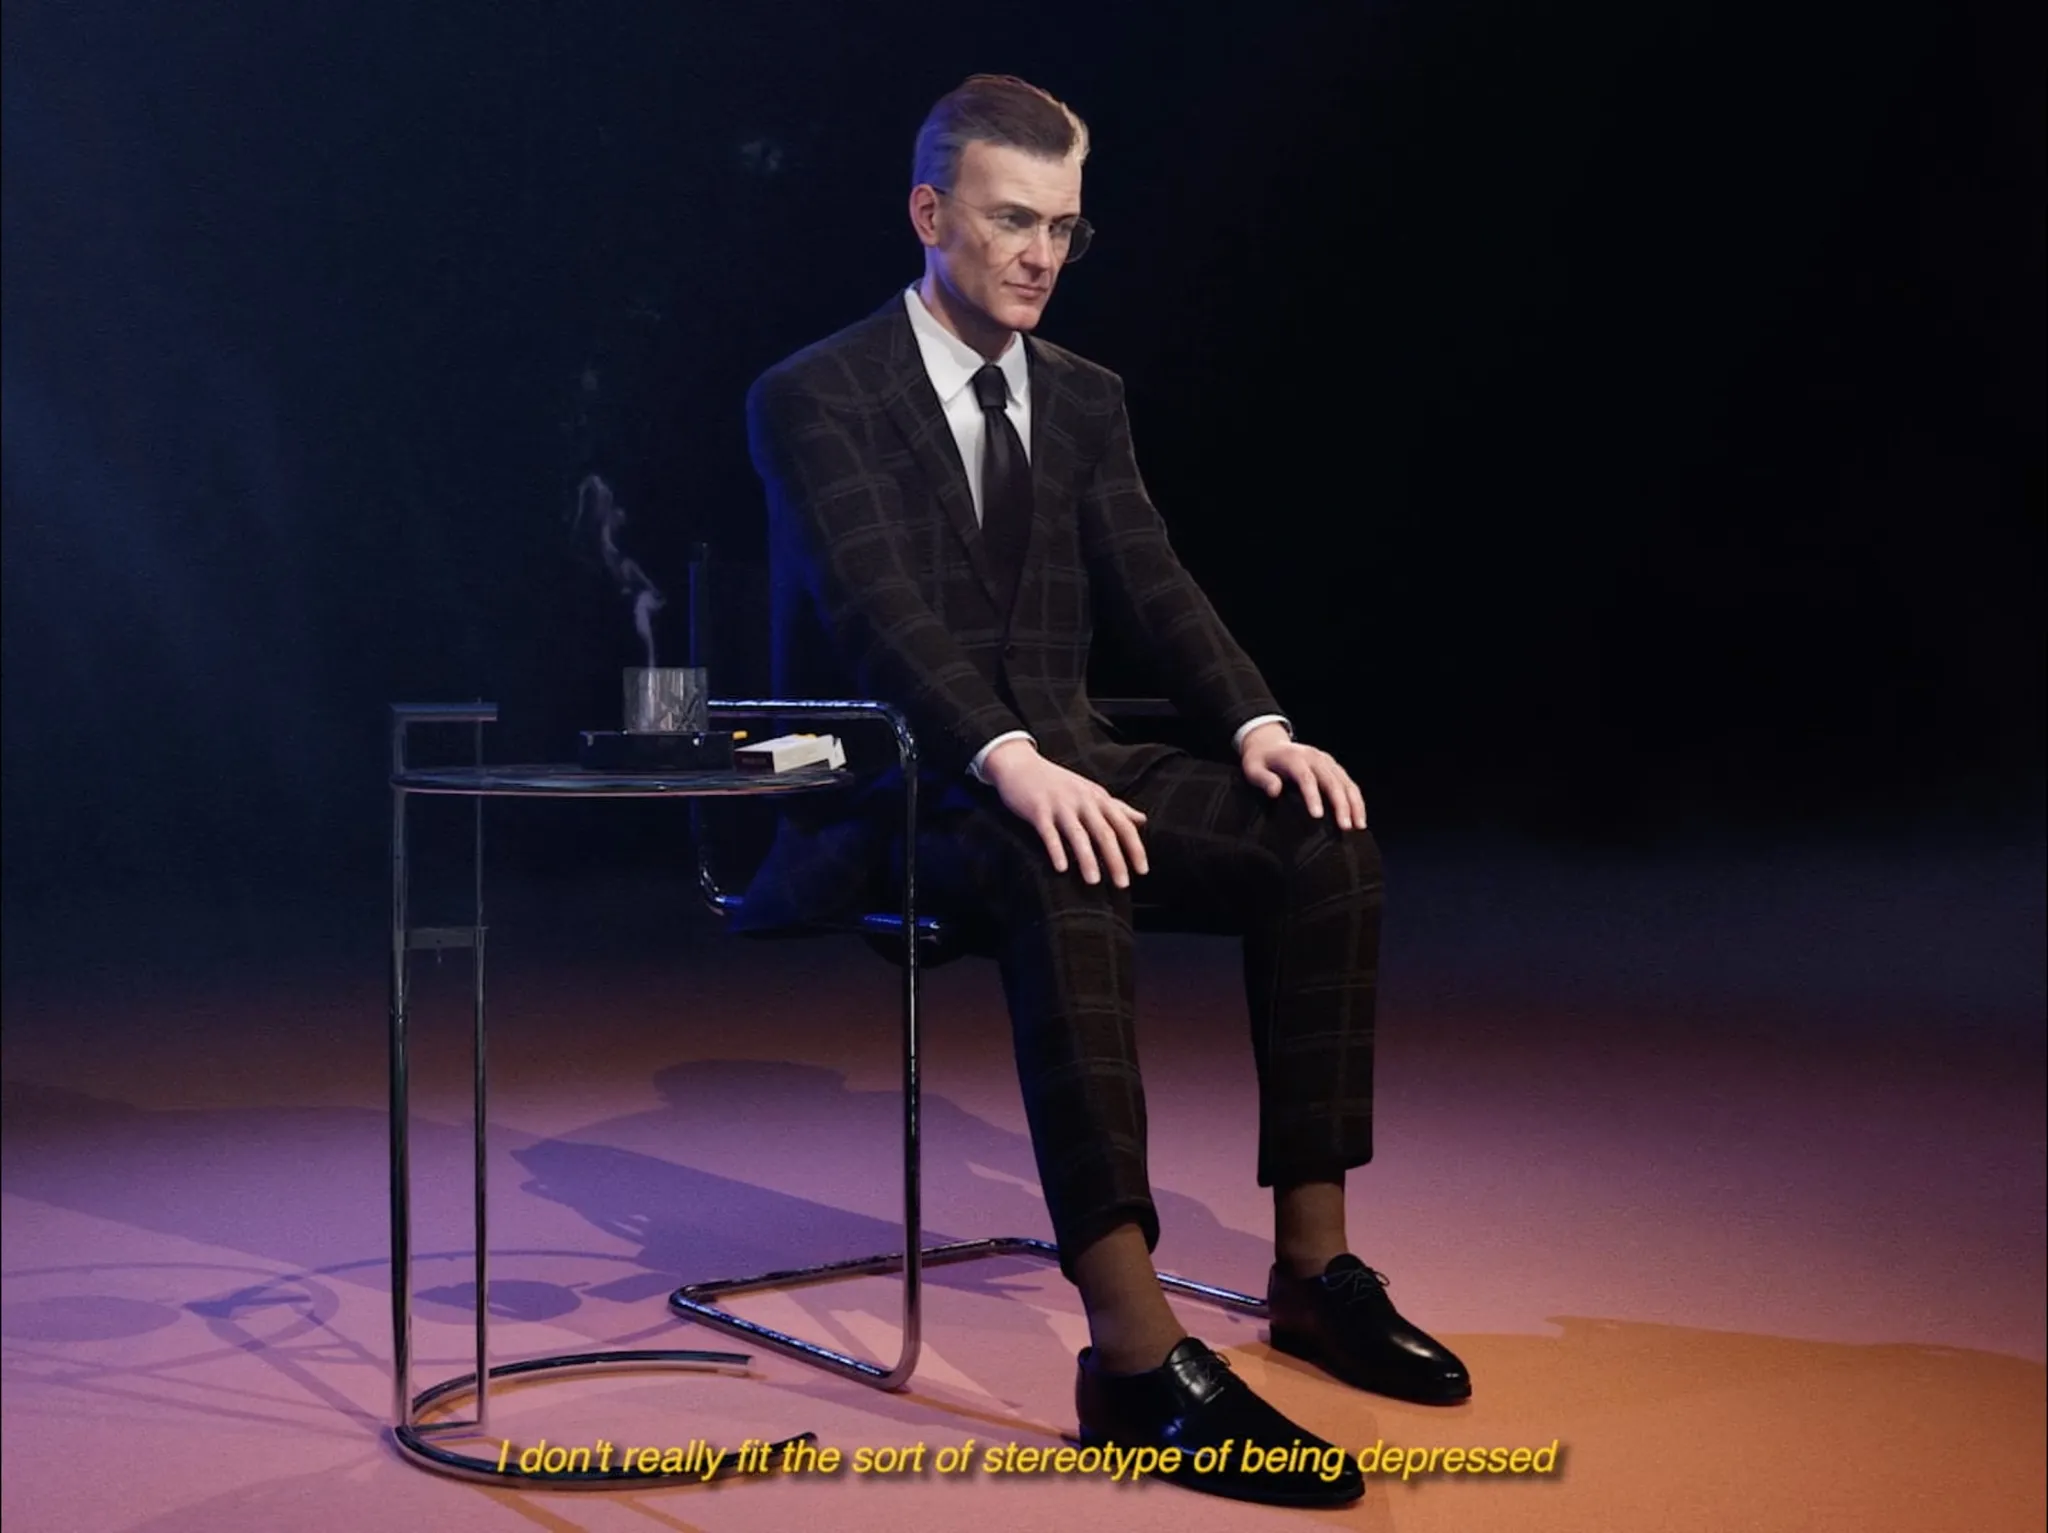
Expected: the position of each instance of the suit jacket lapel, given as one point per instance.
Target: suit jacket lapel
(913, 406)
(1052, 456)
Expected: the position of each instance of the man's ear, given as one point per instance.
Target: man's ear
(924, 214)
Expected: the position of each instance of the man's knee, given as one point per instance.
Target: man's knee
(1072, 911)
(1324, 859)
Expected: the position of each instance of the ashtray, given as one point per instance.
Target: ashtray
(617, 750)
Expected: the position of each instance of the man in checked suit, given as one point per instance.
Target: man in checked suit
(952, 502)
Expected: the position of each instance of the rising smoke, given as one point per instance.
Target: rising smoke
(600, 509)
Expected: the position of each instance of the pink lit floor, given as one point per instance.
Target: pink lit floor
(1728, 1179)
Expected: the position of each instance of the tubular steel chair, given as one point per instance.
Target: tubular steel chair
(915, 940)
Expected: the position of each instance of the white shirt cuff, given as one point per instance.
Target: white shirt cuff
(1237, 740)
(982, 755)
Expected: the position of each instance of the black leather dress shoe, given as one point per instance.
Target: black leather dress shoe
(1193, 1402)
(1345, 1324)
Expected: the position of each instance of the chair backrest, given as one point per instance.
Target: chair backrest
(730, 623)
(802, 661)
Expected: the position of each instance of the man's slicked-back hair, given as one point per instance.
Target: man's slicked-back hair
(993, 109)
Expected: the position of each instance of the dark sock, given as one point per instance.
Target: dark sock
(1308, 1227)
(1129, 1321)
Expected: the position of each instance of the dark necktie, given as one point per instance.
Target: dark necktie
(1006, 497)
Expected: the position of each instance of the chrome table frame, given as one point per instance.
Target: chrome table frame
(416, 1437)
(697, 1301)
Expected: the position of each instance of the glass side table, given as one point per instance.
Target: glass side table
(415, 1436)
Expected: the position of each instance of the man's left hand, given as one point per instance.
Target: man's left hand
(1272, 759)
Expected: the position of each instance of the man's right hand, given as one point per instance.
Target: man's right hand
(1068, 812)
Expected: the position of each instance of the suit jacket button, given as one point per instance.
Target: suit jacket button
(1009, 652)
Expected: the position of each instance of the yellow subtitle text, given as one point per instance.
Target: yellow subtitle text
(701, 1460)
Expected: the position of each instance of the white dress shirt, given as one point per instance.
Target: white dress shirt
(950, 363)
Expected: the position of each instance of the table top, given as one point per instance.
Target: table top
(571, 781)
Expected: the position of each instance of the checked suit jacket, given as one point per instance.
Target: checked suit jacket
(883, 587)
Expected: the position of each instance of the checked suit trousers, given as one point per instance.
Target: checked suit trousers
(1306, 899)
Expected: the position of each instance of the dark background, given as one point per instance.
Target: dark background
(1609, 425)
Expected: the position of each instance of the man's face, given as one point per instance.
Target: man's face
(991, 234)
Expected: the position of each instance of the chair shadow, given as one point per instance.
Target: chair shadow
(694, 1189)
(697, 1183)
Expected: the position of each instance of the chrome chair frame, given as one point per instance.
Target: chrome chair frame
(701, 1301)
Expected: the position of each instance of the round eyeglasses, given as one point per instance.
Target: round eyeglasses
(1016, 228)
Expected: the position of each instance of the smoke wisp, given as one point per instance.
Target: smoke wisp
(598, 508)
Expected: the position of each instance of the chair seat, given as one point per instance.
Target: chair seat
(945, 936)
